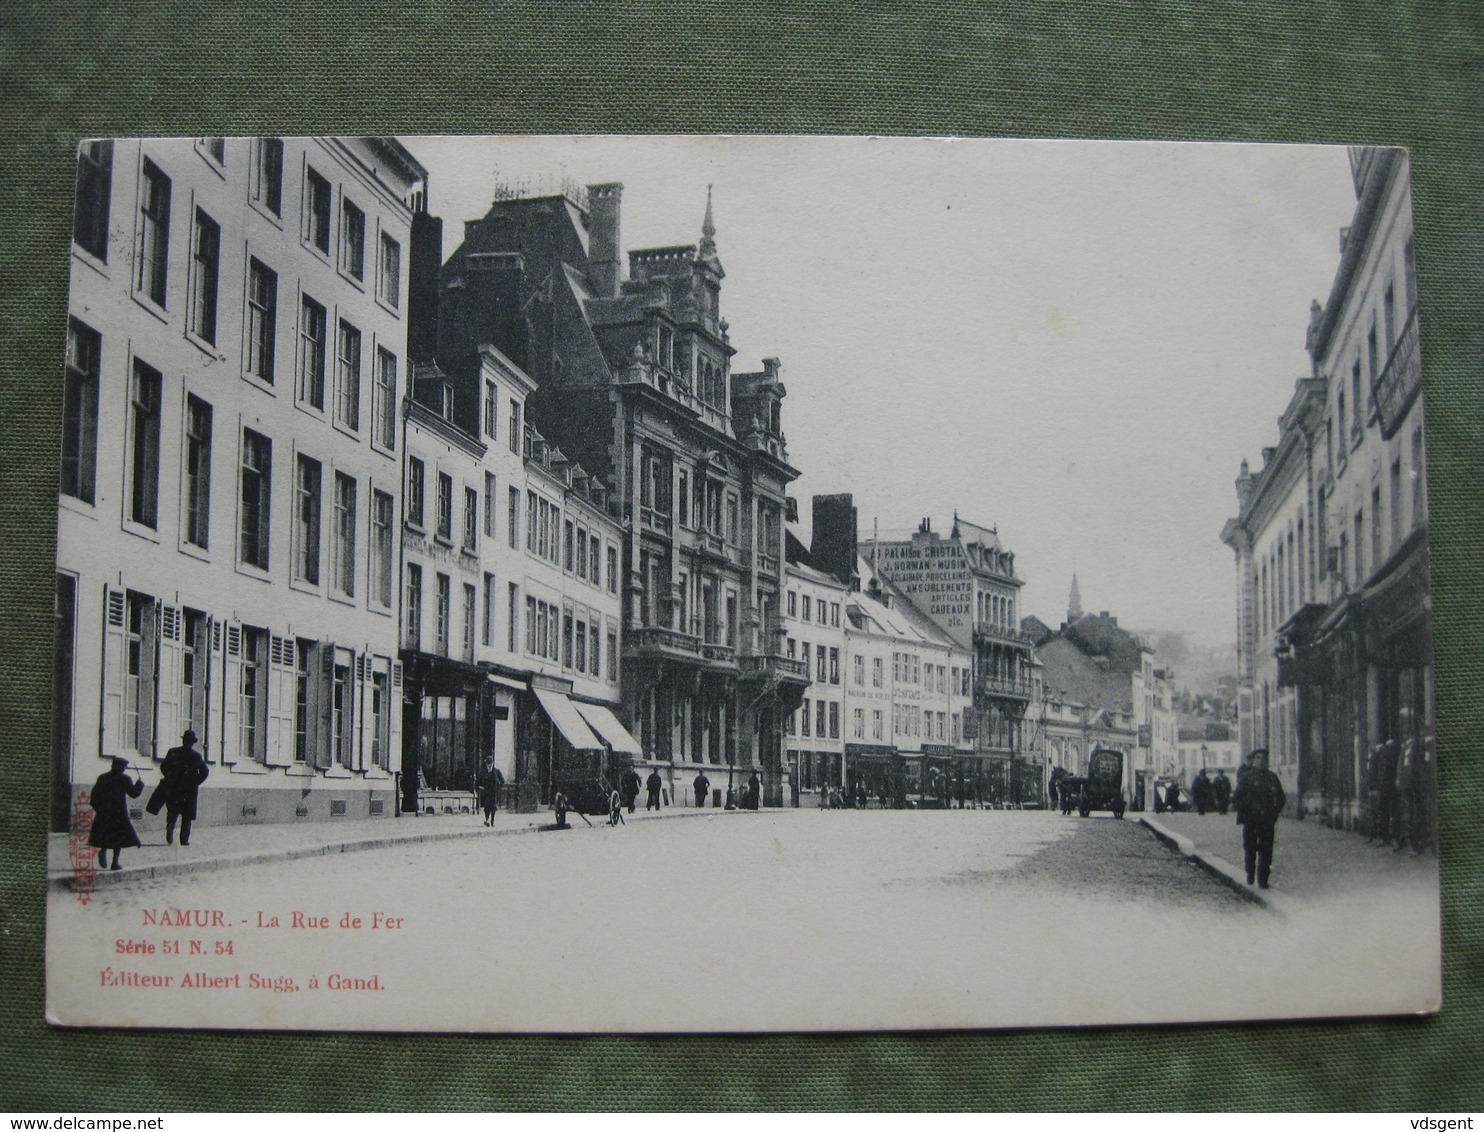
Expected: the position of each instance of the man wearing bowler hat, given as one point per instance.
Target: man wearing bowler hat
(182, 774)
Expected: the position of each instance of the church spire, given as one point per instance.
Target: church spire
(708, 231)
(1074, 602)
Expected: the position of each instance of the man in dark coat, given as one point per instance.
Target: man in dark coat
(630, 782)
(1172, 797)
(1221, 791)
(754, 792)
(701, 785)
(490, 782)
(182, 773)
(653, 785)
(1259, 800)
(112, 828)
(1200, 793)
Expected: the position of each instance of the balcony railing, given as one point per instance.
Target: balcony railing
(767, 563)
(654, 520)
(1007, 688)
(718, 653)
(1400, 381)
(786, 668)
(654, 638)
(1004, 633)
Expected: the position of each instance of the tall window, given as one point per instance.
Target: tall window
(513, 516)
(342, 712)
(80, 412)
(445, 507)
(441, 614)
(348, 377)
(1377, 527)
(1419, 480)
(487, 636)
(262, 317)
(381, 548)
(304, 718)
(195, 649)
(415, 491)
(612, 658)
(514, 419)
(471, 519)
(312, 353)
(197, 472)
(265, 179)
(206, 253)
(613, 570)
(343, 534)
(144, 445)
(381, 717)
(384, 400)
(389, 279)
(352, 240)
(513, 612)
(154, 233)
(141, 641)
(491, 511)
(306, 519)
(414, 630)
(491, 407)
(252, 694)
(94, 188)
(1396, 500)
(317, 211)
(256, 477)
(470, 607)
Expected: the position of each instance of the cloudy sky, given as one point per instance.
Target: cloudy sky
(1075, 342)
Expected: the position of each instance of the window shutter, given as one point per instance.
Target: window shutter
(111, 730)
(231, 690)
(282, 677)
(393, 757)
(169, 681)
(149, 667)
(324, 755)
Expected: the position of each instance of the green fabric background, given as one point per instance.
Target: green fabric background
(1272, 70)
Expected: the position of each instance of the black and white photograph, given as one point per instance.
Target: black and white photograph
(572, 584)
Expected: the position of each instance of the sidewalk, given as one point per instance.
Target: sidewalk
(233, 846)
(1310, 860)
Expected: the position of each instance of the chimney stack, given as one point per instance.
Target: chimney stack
(604, 260)
(833, 546)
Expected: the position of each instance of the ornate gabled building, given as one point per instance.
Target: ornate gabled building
(966, 583)
(634, 381)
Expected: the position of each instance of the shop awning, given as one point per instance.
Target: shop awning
(564, 715)
(606, 724)
(506, 682)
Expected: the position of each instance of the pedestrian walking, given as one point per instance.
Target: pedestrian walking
(1172, 797)
(491, 784)
(182, 773)
(754, 792)
(1259, 799)
(653, 784)
(630, 783)
(112, 828)
(701, 785)
(1381, 790)
(1201, 793)
(1221, 790)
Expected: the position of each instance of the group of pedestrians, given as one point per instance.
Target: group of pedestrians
(1400, 785)
(181, 775)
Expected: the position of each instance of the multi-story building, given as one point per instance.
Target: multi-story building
(908, 699)
(1271, 539)
(967, 584)
(230, 486)
(511, 617)
(815, 623)
(1354, 640)
(634, 382)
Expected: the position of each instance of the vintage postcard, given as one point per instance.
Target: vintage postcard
(734, 584)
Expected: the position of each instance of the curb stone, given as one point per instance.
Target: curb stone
(107, 878)
(1220, 868)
